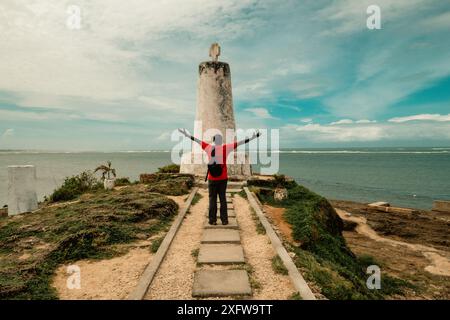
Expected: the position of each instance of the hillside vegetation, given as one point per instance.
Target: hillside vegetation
(92, 226)
(320, 247)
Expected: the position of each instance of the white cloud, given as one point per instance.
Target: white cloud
(422, 117)
(331, 133)
(260, 113)
(365, 121)
(342, 121)
(368, 132)
(113, 56)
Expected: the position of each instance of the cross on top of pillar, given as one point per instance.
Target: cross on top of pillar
(214, 52)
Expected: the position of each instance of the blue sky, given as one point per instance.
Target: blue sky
(311, 69)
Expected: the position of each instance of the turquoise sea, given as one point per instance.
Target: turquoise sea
(410, 177)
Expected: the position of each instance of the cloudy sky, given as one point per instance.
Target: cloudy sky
(310, 68)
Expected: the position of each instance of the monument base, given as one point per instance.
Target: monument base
(238, 165)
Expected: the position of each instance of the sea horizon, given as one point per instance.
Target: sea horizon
(398, 149)
(404, 176)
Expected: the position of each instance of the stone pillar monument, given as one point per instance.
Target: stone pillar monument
(215, 115)
(21, 189)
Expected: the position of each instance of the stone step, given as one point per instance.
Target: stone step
(221, 236)
(231, 213)
(234, 190)
(230, 184)
(221, 254)
(229, 205)
(221, 283)
(232, 224)
(229, 200)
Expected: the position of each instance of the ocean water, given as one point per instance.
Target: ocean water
(403, 176)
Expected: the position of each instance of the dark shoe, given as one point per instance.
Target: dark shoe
(213, 223)
(224, 223)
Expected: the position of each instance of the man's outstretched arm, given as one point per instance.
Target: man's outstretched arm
(254, 136)
(186, 134)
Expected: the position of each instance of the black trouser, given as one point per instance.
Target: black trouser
(217, 187)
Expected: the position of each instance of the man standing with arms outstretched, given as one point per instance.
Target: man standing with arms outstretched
(217, 174)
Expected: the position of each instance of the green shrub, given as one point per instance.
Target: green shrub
(278, 181)
(171, 168)
(75, 186)
(122, 181)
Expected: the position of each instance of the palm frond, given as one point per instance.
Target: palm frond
(101, 168)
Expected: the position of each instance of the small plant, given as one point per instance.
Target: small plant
(295, 296)
(195, 252)
(106, 170)
(196, 199)
(278, 265)
(156, 244)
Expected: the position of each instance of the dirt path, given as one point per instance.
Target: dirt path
(112, 278)
(440, 264)
(175, 275)
(259, 253)
(105, 279)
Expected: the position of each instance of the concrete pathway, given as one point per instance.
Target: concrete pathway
(221, 245)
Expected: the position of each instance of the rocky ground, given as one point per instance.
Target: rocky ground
(410, 246)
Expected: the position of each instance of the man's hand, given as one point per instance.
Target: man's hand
(256, 134)
(183, 131)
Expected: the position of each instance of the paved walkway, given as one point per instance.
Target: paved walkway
(221, 246)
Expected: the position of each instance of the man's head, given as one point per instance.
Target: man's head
(217, 139)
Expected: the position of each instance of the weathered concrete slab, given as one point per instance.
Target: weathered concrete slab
(22, 195)
(379, 204)
(221, 254)
(229, 200)
(231, 213)
(441, 205)
(232, 224)
(229, 206)
(220, 236)
(234, 190)
(221, 283)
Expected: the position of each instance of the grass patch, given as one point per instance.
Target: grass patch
(174, 184)
(92, 228)
(258, 225)
(243, 194)
(323, 252)
(278, 265)
(156, 244)
(194, 253)
(196, 199)
(295, 296)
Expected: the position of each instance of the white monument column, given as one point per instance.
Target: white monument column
(21, 189)
(214, 115)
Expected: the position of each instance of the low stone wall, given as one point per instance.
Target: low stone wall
(441, 205)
